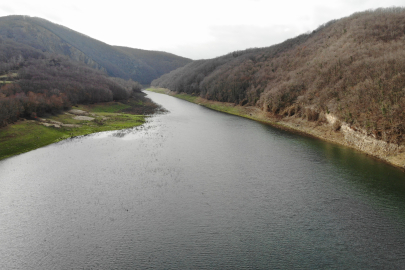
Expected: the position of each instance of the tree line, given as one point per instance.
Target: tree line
(352, 67)
(139, 65)
(36, 83)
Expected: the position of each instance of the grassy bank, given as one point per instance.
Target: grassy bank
(27, 135)
(296, 125)
(299, 125)
(247, 112)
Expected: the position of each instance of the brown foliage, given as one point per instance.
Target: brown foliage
(51, 84)
(352, 67)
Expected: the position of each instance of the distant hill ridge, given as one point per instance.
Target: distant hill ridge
(138, 65)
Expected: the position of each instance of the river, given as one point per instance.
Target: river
(199, 189)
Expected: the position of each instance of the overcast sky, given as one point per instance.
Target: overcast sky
(194, 29)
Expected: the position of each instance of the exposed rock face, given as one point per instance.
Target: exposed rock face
(56, 124)
(368, 144)
(81, 115)
(331, 118)
(359, 139)
(345, 135)
(83, 118)
(78, 112)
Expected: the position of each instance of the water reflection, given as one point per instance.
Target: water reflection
(194, 188)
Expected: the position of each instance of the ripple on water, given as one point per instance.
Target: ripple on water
(194, 188)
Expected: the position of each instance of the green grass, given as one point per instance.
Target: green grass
(3, 78)
(187, 97)
(7, 75)
(25, 136)
(221, 107)
(157, 90)
(183, 96)
(218, 107)
(110, 107)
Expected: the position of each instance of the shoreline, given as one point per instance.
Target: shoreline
(385, 152)
(27, 135)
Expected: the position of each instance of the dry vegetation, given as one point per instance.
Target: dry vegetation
(35, 83)
(353, 68)
(139, 65)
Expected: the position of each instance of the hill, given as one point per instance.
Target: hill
(35, 83)
(160, 62)
(348, 74)
(126, 63)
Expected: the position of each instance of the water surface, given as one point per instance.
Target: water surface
(195, 188)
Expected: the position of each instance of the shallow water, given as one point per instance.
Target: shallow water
(195, 188)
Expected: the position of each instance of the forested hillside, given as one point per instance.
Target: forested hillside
(34, 83)
(126, 63)
(160, 62)
(352, 68)
(46, 68)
